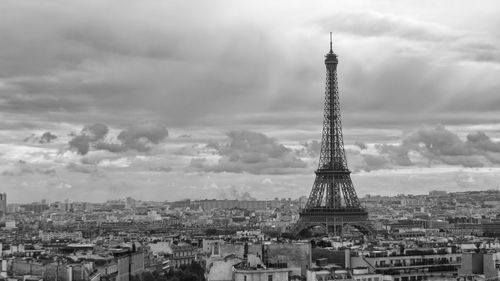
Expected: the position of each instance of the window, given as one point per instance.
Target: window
(216, 250)
(269, 278)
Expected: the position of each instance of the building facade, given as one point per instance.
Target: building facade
(269, 274)
(182, 255)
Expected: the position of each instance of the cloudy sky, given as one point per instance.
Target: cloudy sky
(165, 100)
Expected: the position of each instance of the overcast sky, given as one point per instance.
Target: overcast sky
(165, 100)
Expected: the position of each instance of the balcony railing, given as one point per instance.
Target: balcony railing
(324, 210)
(414, 264)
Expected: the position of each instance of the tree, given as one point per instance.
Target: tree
(187, 276)
(211, 231)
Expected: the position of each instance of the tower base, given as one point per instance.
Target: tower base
(332, 220)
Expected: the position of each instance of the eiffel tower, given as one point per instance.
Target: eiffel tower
(333, 203)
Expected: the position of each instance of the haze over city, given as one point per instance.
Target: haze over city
(169, 100)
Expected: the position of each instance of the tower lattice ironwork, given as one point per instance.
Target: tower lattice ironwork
(333, 202)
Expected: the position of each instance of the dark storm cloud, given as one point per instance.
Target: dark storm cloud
(151, 132)
(251, 152)
(141, 136)
(81, 143)
(96, 131)
(436, 141)
(481, 141)
(361, 145)
(88, 135)
(111, 147)
(46, 137)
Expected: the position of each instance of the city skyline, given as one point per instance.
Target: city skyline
(227, 102)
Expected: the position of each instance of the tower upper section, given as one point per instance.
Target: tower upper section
(332, 156)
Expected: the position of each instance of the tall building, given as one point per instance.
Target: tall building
(3, 204)
(130, 203)
(333, 202)
(478, 266)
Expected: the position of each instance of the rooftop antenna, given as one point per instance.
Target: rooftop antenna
(331, 50)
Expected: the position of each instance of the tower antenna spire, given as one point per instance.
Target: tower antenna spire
(331, 49)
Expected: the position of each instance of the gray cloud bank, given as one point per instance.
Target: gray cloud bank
(427, 147)
(213, 65)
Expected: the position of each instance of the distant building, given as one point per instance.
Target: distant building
(116, 204)
(491, 229)
(491, 204)
(229, 204)
(34, 207)
(80, 206)
(130, 203)
(437, 193)
(13, 208)
(47, 236)
(10, 224)
(3, 204)
(212, 246)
